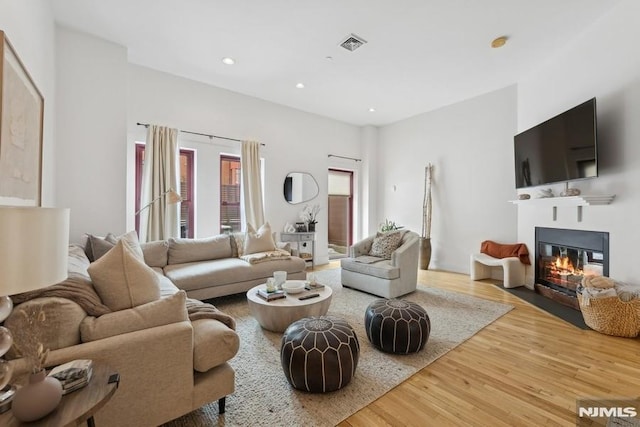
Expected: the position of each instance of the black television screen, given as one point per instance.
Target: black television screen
(561, 149)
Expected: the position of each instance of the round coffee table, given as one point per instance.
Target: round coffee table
(277, 315)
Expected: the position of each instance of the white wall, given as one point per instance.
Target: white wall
(91, 133)
(295, 142)
(30, 29)
(603, 63)
(470, 145)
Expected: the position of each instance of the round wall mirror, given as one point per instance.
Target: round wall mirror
(300, 187)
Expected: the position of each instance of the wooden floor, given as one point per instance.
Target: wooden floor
(525, 369)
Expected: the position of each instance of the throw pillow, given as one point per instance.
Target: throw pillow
(100, 246)
(258, 241)
(164, 311)
(385, 243)
(237, 243)
(122, 279)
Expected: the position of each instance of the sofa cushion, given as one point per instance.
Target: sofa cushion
(205, 274)
(164, 311)
(192, 250)
(385, 243)
(213, 344)
(258, 241)
(167, 288)
(156, 253)
(381, 269)
(122, 279)
(60, 328)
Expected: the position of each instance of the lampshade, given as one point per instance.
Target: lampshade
(173, 197)
(33, 248)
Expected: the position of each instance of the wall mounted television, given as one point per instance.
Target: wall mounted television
(563, 148)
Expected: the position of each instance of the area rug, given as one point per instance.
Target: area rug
(263, 397)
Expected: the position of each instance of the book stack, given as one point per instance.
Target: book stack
(270, 296)
(73, 375)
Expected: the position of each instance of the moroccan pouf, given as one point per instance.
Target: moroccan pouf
(397, 326)
(319, 354)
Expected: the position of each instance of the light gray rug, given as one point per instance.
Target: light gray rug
(263, 397)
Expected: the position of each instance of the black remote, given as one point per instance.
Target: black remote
(309, 296)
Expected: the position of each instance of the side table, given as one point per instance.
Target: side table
(300, 238)
(78, 406)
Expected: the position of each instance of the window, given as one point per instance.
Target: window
(229, 194)
(186, 189)
(187, 207)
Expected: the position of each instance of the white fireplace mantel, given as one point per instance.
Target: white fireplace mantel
(578, 201)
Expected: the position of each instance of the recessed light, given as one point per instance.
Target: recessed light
(372, 110)
(329, 58)
(499, 42)
(300, 85)
(228, 61)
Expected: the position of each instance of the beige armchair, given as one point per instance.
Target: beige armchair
(387, 278)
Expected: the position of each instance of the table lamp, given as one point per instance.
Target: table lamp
(33, 254)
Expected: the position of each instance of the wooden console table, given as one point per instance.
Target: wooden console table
(78, 406)
(300, 238)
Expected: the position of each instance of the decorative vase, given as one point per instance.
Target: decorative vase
(425, 253)
(311, 226)
(38, 398)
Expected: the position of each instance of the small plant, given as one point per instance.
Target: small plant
(309, 214)
(389, 226)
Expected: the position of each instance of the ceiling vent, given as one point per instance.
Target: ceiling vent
(352, 42)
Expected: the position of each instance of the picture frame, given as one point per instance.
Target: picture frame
(21, 131)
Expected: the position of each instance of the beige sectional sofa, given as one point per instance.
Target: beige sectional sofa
(213, 267)
(170, 361)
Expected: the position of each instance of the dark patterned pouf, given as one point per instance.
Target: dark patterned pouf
(319, 354)
(397, 326)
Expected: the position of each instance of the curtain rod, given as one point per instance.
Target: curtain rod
(346, 158)
(201, 134)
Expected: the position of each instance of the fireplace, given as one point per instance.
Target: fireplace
(563, 257)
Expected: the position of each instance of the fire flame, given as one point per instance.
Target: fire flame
(564, 266)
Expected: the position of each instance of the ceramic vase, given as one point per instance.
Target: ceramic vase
(311, 227)
(425, 253)
(37, 398)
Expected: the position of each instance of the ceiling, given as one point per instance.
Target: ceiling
(420, 55)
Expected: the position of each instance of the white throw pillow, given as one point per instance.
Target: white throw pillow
(258, 241)
(122, 279)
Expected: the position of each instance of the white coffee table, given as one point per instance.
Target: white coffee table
(277, 315)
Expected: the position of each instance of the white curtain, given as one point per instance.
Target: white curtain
(160, 175)
(251, 184)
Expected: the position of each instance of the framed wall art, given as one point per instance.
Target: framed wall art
(21, 121)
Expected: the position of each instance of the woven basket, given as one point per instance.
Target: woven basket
(611, 315)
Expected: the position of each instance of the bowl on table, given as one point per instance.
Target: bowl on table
(293, 287)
